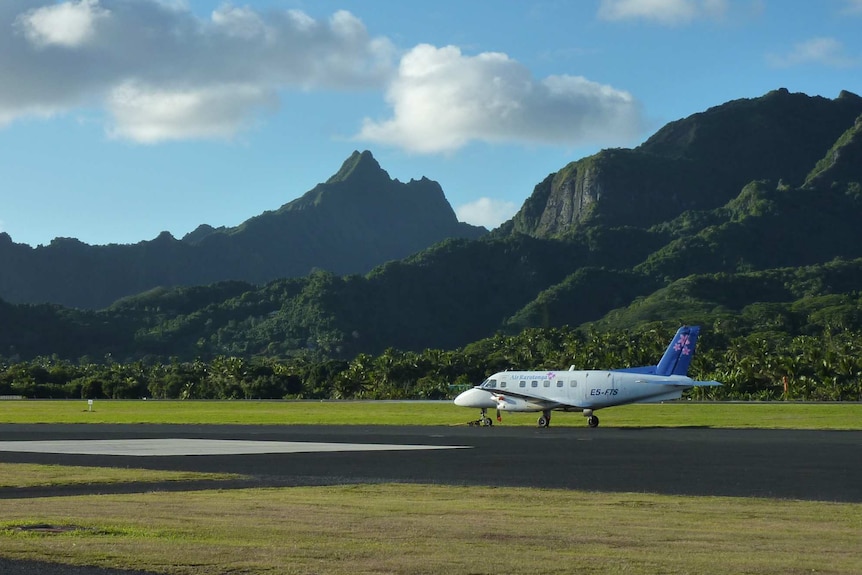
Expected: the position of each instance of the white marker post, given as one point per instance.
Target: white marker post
(89, 405)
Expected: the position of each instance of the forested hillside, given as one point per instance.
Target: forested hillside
(744, 219)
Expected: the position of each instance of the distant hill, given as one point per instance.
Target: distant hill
(730, 218)
(697, 163)
(358, 219)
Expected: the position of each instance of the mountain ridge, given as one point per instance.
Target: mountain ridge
(695, 163)
(355, 221)
(595, 272)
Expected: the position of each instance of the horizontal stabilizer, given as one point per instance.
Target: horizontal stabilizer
(683, 382)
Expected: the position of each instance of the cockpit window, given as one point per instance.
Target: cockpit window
(490, 383)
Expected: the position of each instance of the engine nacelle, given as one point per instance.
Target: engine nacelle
(506, 403)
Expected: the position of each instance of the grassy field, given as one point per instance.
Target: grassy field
(777, 415)
(417, 529)
(16, 475)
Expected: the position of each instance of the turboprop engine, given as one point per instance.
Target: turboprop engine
(507, 403)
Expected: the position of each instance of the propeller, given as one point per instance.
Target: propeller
(500, 399)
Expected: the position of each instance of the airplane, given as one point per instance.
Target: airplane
(587, 390)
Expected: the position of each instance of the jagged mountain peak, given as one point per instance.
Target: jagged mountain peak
(359, 167)
(359, 219)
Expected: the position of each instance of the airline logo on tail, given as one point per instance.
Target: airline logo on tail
(677, 358)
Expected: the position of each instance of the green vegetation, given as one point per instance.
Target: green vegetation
(735, 219)
(439, 530)
(763, 415)
(824, 365)
(17, 475)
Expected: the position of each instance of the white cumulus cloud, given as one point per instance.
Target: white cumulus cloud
(442, 99)
(148, 115)
(486, 212)
(667, 12)
(67, 24)
(163, 73)
(823, 51)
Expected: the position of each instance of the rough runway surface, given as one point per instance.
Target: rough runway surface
(813, 465)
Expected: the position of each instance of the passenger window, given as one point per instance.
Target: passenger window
(502, 384)
(547, 383)
(534, 384)
(560, 383)
(523, 384)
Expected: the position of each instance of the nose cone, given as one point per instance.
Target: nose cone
(476, 398)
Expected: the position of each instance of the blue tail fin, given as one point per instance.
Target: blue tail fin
(677, 358)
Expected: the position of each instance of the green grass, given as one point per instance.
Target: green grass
(419, 529)
(777, 415)
(19, 475)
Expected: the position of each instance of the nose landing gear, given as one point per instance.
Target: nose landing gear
(483, 421)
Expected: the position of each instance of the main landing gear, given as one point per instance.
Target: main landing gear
(592, 420)
(484, 420)
(544, 419)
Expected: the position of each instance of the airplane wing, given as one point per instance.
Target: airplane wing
(537, 401)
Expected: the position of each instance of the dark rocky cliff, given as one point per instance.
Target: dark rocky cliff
(699, 162)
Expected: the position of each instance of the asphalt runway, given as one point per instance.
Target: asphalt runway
(809, 465)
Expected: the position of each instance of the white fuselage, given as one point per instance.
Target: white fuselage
(570, 390)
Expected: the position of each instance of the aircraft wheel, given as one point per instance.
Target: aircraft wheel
(543, 421)
(593, 421)
(487, 422)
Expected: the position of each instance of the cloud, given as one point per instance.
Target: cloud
(137, 58)
(820, 51)
(149, 115)
(161, 73)
(442, 100)
(486, 212)
(69, 24)
(667, 12)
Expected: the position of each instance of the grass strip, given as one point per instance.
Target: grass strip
(768, 415)
(17, 475)
(419, 529)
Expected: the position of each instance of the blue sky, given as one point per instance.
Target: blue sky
(120, 119)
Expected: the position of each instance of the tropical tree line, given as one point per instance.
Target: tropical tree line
(761, 366)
